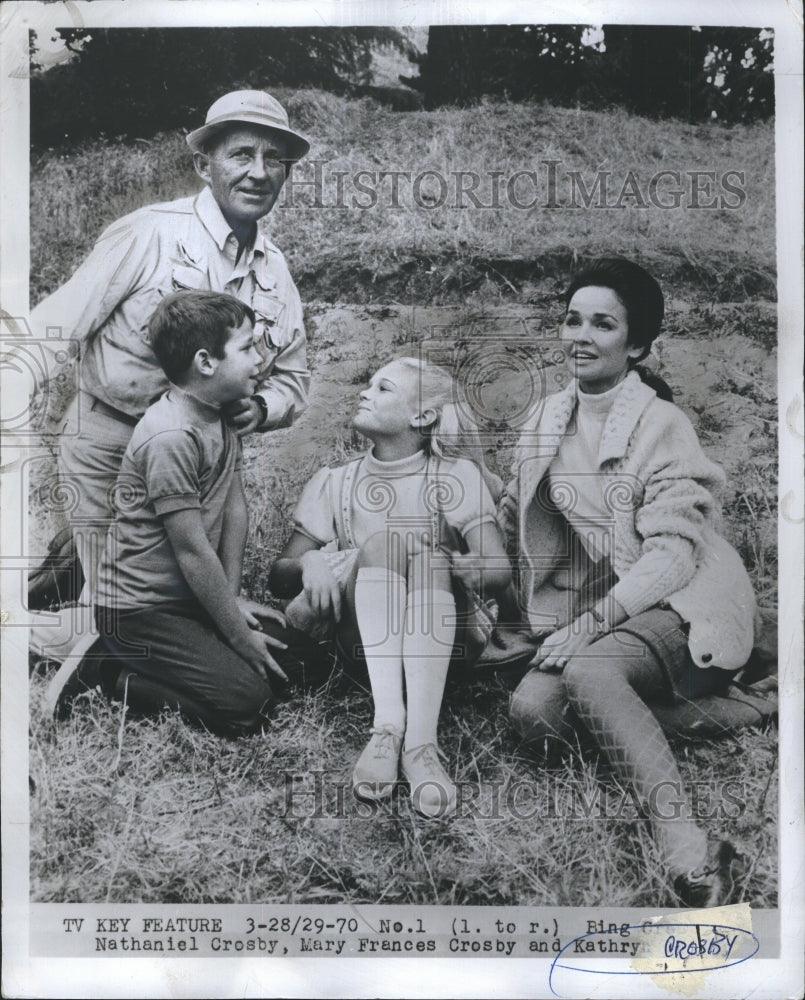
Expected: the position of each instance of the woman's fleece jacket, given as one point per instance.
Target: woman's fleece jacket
(666, 545)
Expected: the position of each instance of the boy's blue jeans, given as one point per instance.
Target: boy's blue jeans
(172, 655)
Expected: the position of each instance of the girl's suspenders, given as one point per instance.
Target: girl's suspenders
(440, 528)
(342, 505)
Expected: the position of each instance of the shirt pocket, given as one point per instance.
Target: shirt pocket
(268, 310)
(184, 276)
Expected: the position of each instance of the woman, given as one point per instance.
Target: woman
(613, 519)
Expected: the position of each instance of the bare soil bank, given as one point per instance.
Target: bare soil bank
(717, 359)
(450, 278)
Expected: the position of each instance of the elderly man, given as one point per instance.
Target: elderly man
(243, 153)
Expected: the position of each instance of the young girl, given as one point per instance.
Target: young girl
(380, 549)
(623, 572)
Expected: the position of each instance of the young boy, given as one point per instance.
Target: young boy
(173, 629)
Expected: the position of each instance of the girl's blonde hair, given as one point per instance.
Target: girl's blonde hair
(454, 432)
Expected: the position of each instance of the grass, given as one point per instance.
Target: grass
(443, 252)
(127, 809)
(153, 810)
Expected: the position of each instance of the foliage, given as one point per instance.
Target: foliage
(138, 81)
(516, 61)
(685, 72)
(692, 73)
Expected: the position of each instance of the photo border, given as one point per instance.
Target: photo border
(24, 975)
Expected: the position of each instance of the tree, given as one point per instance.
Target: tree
(686, 72)
(738, 77)
(519, 61)
(691, 73)
(451, 71)
(137, 82)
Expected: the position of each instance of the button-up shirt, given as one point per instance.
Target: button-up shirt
(105, 307)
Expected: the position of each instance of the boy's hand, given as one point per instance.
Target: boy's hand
(253, 647)
(320, 586)
(244, 415)
(253, 612)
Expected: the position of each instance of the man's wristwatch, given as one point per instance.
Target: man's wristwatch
(262, 406)
(602, 626)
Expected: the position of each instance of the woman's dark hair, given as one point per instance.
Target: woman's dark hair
(641, 297)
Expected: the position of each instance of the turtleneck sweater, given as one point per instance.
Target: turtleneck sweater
(575, 485)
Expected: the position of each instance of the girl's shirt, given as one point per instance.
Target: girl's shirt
(408, 495)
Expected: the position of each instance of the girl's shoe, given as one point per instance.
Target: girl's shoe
(433, 794)
(375, 774)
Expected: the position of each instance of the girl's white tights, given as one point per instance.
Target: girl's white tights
(405, 637)
(380, 612)
(430, 628)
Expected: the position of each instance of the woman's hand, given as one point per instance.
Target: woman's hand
(559, 646)
(320, 586)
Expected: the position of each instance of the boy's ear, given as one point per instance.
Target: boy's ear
(202, 164)
(424, 418)
(204, 363)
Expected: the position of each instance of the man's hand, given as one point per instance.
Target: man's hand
(244, 415)
(320, 586)
(565, 642)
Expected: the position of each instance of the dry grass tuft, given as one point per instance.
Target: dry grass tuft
(364, 247)
(173, 814)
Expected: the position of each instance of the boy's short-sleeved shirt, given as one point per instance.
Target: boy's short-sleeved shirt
(182, 455)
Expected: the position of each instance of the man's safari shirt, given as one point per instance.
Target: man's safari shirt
(106, 305)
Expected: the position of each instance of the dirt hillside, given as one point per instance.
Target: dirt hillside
(723, 374)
